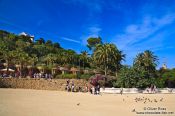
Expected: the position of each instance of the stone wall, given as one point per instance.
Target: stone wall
(136, 90)
(40, 84)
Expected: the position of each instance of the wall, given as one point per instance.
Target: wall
(41, 84)
(136, 90)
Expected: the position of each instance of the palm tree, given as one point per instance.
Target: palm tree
(71, 57)
(22, 59)
(84, 57)
(106, 55)
(8, 56)
(50, 59)
(120, 58)
(147, 60)
(7, 47)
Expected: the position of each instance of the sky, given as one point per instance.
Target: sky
(132, 25)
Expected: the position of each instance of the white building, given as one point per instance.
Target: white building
(25, 34)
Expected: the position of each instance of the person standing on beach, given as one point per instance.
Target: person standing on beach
(98, 89)
(67, 85)
(72, 86)
(121, 91)
(91, 91)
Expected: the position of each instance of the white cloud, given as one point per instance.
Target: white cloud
(71, 40)
(145, 35)
(92, 31)
(138, 32)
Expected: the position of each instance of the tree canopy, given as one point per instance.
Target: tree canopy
(106, 58)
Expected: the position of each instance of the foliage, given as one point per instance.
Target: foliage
(66, 76)
(148, 61)
(85, 76)
(169, 74)
(19, 49)
(132, 77)
(167, 77)
(126, 78)
(93, 41)
(106, 55)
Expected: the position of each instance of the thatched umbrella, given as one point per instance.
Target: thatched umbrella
(30, 72)
(54, 70)
(96, 71)
(5, 64)
(5, 70)
(64, 69)
(74, 70)
(41, 68)
(17, 67)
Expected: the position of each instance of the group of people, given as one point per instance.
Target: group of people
(95, 90)
(41, 75)
(70, 87)
(151, 89)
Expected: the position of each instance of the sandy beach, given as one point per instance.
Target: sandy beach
(23, 102)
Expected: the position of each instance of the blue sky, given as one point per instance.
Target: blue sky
(133, 25)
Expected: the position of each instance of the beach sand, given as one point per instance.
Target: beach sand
(23, 102)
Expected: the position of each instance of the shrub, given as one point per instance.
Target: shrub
(160, 82)
(102, 83)
(66, 76)
(85, 76)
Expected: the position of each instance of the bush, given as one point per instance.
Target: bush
(66, 76)
(102, 83)
(85, 76)
(160, 82)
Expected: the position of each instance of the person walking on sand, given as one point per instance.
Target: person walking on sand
(121, 91)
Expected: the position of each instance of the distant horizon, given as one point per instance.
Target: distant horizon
(133, 26)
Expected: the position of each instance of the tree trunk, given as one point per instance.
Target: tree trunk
(116, 74)
(83, 65)
(7, 66)
(21, 67)
(105, 70)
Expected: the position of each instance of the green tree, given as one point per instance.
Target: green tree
(40, 41)
(105, 55)
(93, 41)
(7, 47)
(148, 61)
(22, 59)
(56, 45)
(132, 77)
(50, 59)
(48, 43)
(84, 58)
(126, 78)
